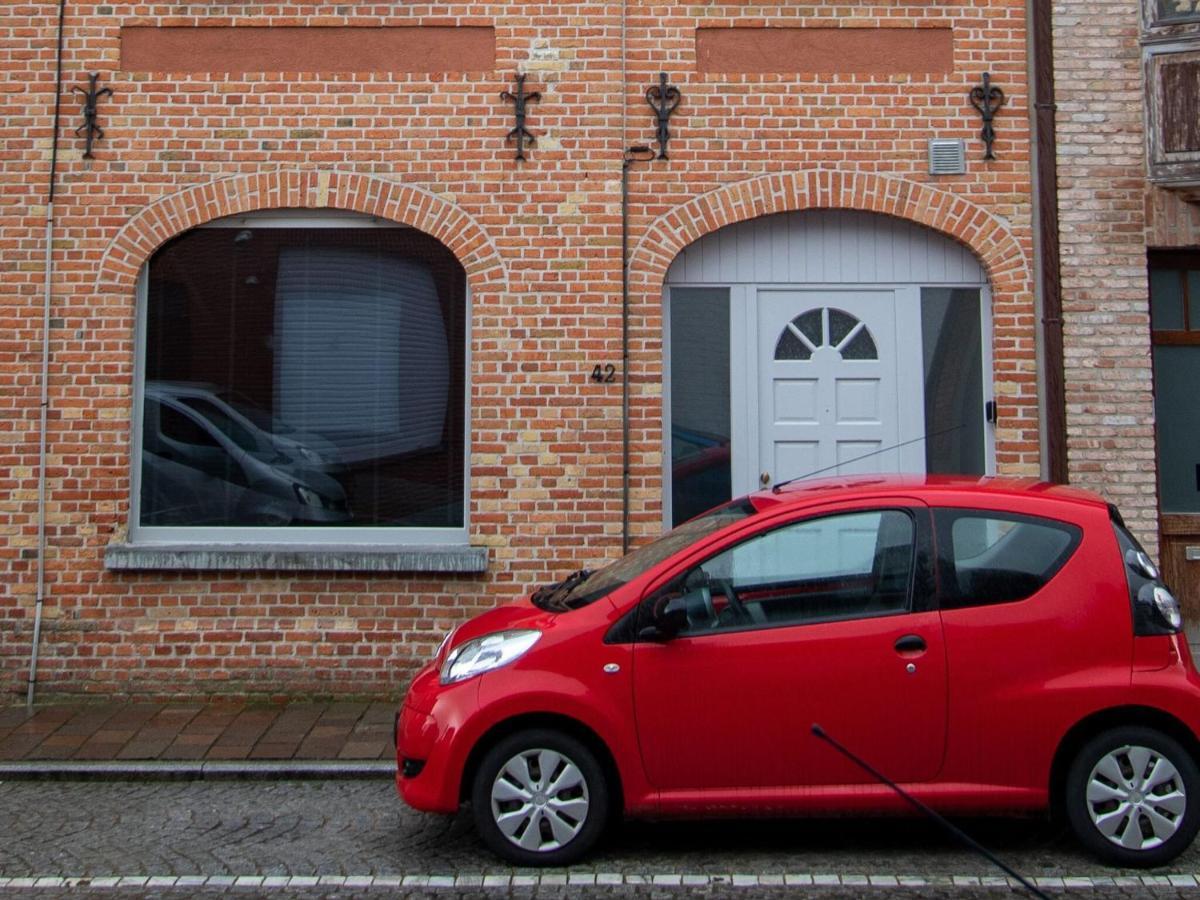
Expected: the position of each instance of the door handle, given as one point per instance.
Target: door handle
(911, 643)
(764, 478)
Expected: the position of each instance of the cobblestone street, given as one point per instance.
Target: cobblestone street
(354, 838)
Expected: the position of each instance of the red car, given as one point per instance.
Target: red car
(992, 646)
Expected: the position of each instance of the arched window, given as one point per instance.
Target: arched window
(302, 378)
(825, 327)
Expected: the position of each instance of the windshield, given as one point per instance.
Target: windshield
(604, 581)
(235, 432)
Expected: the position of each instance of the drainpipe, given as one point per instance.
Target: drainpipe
(637, 153)
(45, 374)
(625, 164)
(1054, 402)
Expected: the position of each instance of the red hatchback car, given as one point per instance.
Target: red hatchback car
(992, 646)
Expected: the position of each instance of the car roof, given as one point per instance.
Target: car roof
(818, 490)
(190, 388)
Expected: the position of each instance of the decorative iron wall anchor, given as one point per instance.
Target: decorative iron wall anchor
(987, 99)
(89, 129)
(663, 98)
(523, 136)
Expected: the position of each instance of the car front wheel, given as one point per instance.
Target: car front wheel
(1133, 797)
(540, 798)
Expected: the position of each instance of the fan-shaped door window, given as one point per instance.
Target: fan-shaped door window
(825, 327)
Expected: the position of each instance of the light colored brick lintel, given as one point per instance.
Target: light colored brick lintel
(296, 558)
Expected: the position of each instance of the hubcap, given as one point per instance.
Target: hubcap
(540, 800)
(1136, 798)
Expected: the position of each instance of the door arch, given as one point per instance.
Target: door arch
(822, 342)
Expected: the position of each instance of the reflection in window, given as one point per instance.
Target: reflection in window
(700, 423)
(835, 567)
(996, 558)
(1177, 10)
(304, 376)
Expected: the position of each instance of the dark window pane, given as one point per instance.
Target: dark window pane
(791, 347)
(228, 426)
(840, 324)
(700, 427)
(1193, 301)
(326, 366)
(1166, 300)
(181, 428)
(1177, 9)
(861, 346)
(1177, 414)
(989, 558)
(952, 344)
(812, 327)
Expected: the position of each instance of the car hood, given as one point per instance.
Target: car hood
(522, 614)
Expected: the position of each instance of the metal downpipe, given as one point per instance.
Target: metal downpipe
(1048, 258)
(44, 400)
(625, 454)
(625, 163)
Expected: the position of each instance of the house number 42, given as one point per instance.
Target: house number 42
(604, 374)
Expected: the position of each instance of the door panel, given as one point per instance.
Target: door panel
(800, 624)
(735, 709)
(827, 369)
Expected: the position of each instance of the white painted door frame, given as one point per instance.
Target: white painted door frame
(744, 372)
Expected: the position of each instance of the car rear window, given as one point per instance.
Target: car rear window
(987, 557)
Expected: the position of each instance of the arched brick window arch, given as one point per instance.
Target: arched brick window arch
(318, 382)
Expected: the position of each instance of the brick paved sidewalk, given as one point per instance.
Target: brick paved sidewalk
(201, 732)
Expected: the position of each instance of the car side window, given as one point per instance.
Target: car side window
(180, 427)
(991, 557)
(833, 567)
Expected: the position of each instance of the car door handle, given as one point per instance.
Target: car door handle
(910, 643)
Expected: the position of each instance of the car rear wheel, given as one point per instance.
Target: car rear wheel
(540, 797)
(1133, 797)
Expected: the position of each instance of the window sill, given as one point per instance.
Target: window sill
(296, 558)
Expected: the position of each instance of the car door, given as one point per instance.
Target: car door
(820, 620)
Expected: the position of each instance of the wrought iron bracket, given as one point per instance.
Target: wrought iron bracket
(663, 98)
(522, 135)
(987, 98)
(89, 130)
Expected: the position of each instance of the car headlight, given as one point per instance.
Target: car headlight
(486, 653)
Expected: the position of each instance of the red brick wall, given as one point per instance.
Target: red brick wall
(541, 244)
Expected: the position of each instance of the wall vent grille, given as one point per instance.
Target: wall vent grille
(947, 156)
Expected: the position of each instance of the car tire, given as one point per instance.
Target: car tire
(540, 798)
(1133, 797)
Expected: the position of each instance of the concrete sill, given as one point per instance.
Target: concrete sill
(295, 558)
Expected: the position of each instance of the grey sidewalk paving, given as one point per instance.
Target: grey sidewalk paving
(224, 736)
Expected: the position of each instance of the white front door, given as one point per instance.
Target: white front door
(831, 370)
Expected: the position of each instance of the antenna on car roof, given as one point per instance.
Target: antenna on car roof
(924, 437)
(957, 832)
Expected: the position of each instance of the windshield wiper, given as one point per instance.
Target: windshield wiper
(551, 596)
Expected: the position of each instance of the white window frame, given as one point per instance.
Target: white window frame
(292, 536)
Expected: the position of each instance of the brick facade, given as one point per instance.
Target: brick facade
(540, 242)
(1102, 215)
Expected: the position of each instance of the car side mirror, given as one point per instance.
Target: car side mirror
(668, 618)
